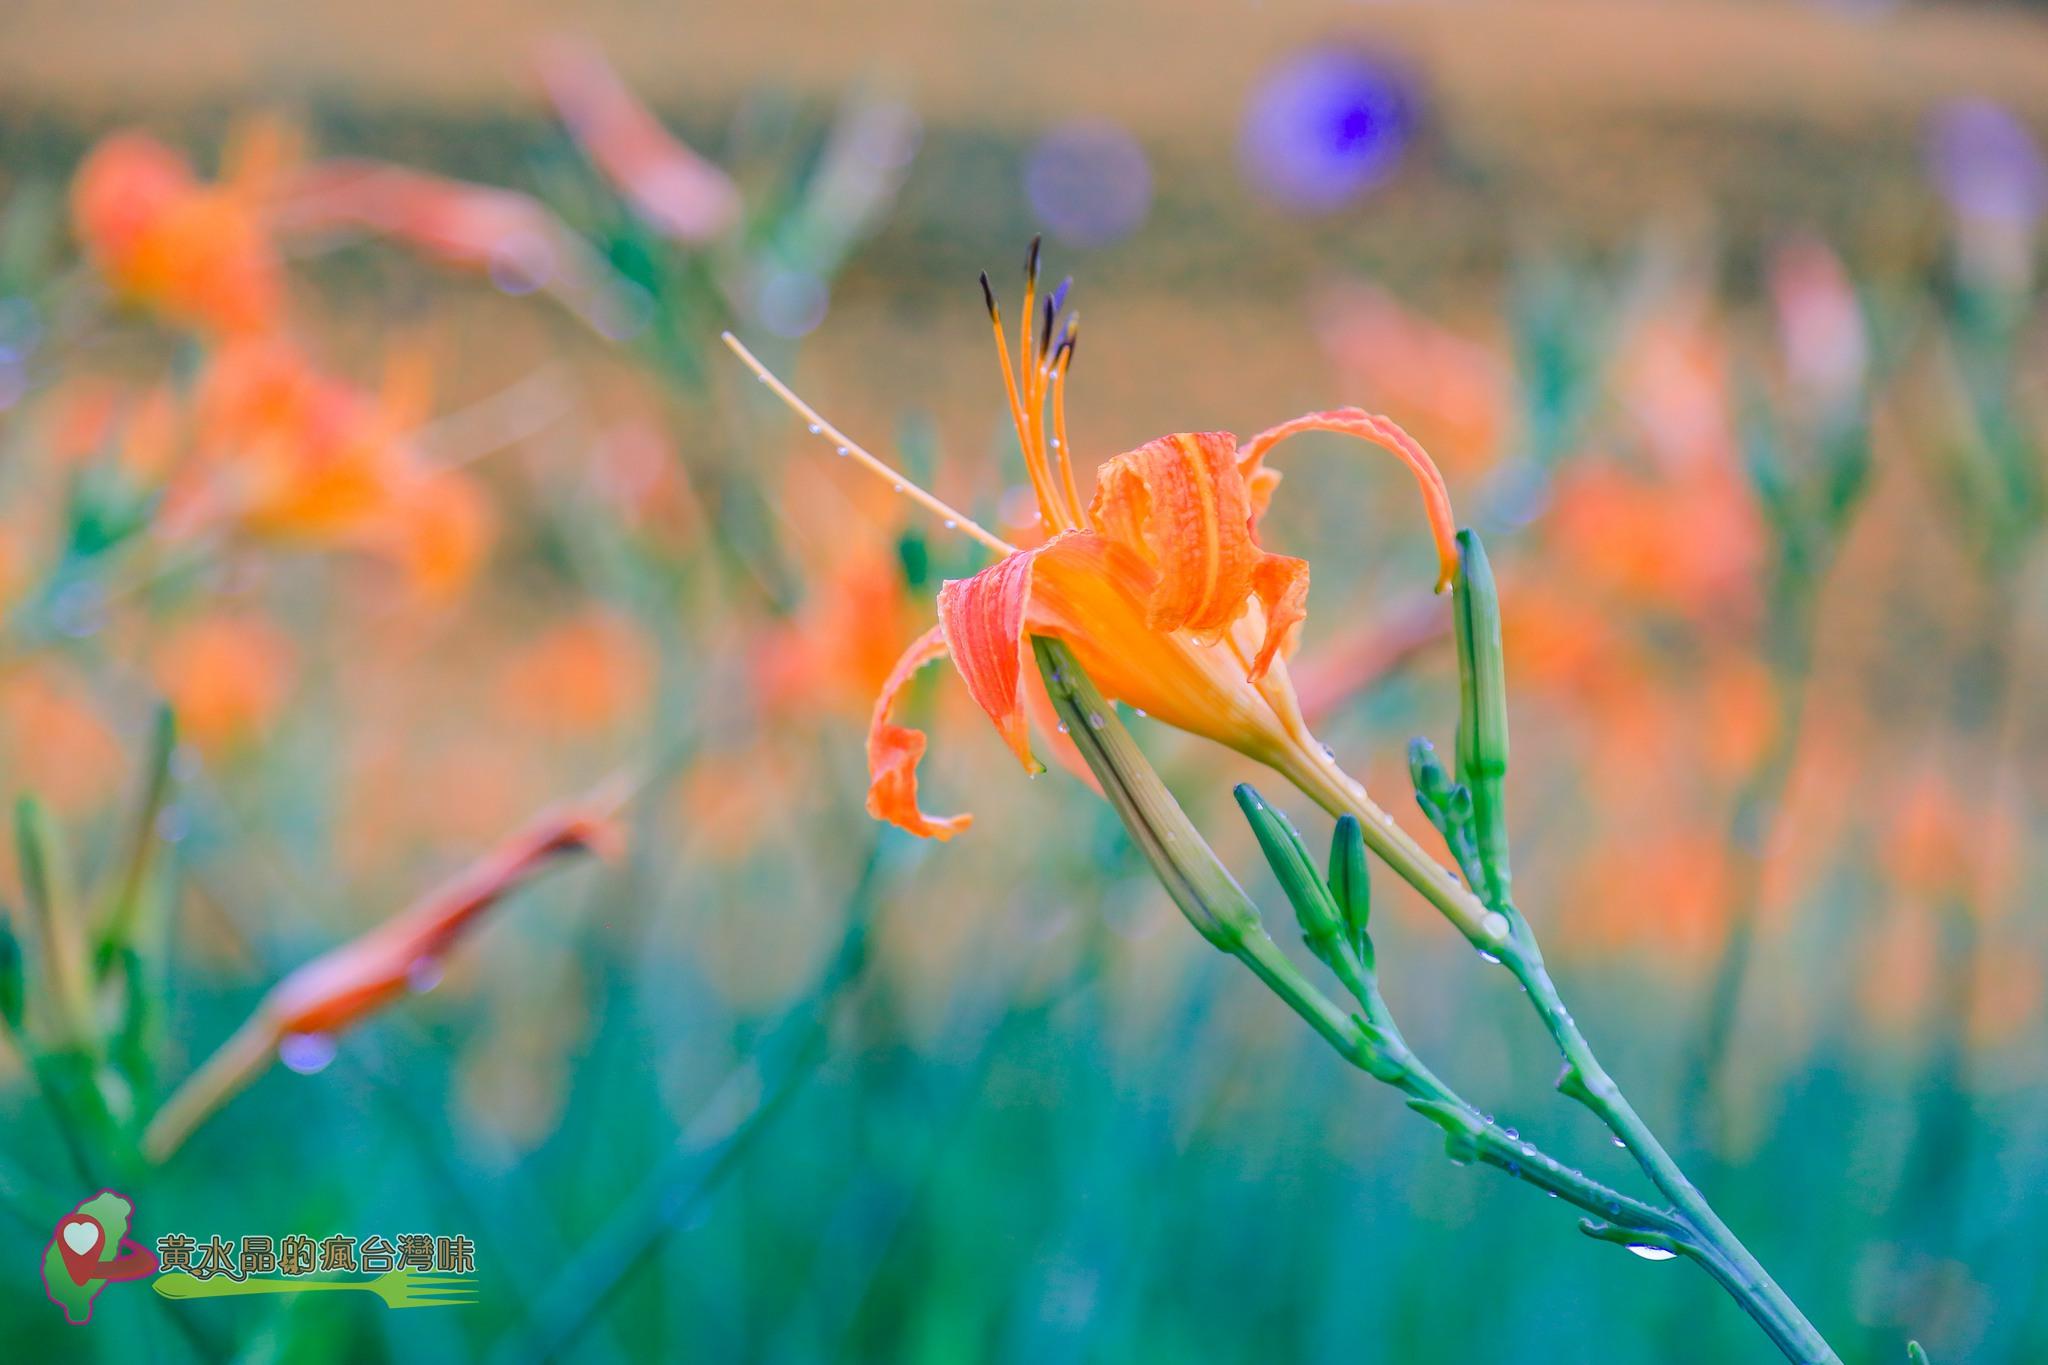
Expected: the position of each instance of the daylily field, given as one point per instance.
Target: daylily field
(572, 682)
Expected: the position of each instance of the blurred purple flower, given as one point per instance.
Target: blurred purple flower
(1326, 126)
(1089, 183)
(1986, 164)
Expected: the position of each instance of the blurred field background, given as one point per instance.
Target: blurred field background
(1724, 321)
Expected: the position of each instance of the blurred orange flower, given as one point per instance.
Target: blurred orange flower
(194, 254)
(1686, 539)
(1159, 585)
(1455, 391)
(1684, 920)
(59, 746)
(579, 676)
(225, 677)
(283, 451)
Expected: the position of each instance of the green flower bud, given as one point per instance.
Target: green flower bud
(1186, 866)
(1322, 923)
(1483, 693)
(1351, 883)
(1483, 715)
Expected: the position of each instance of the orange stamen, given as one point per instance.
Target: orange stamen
(1034, 459)
(1062, 359)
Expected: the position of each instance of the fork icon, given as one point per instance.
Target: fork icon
(398, 1289)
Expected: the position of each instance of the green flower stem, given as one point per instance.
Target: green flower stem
(1220, 910)
(1585, 1080)
(1385, 1056)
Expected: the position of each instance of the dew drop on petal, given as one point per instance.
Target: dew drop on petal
(423, 975)
(306, 1053)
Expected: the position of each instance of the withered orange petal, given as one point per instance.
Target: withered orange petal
(1380, 431)
(339, 987)
(895, 750)
(983, 619)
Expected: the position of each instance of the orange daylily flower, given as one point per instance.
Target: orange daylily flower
(295, 453)
(341, 987)
(285, 452)
(195, 254)
(1158, 583)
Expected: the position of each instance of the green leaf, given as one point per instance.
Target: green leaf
(12, 985)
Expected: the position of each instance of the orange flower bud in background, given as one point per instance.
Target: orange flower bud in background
(299, 1017)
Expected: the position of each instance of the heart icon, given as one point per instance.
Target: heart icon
(78, 1239)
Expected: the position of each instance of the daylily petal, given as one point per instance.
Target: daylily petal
(1281, 584)
(1093, 593)
(983, 618)
(1182, 503)
(894, 751)
(1366, 426)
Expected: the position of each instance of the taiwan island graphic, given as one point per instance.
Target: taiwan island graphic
(90, 1249)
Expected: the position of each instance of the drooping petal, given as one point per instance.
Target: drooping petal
(1380, 431)
(895, 750)
(1281, 585)
(983, 619)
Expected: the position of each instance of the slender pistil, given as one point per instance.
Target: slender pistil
(846, 445)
